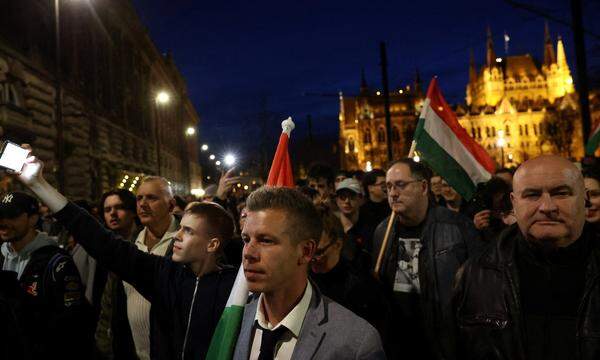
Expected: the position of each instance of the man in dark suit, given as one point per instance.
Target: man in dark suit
(288, 317)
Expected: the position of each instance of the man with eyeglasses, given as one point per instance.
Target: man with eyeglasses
(342, 281)
(425, 247)
(591, 178)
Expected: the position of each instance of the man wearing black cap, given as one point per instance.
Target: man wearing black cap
(43, 280)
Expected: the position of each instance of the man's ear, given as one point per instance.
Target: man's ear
(213, 245)
(425, 185)
(308, 248)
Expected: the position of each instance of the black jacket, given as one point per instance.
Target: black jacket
(187, 306)
(488, 304)
(48, 307)
(448, 239)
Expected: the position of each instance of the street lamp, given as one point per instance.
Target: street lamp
(190, 131)
(204, 147)
(162, 98)
(229, 159)
(212, 156)
(218, 163)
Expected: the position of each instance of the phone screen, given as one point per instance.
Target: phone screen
(13, 156)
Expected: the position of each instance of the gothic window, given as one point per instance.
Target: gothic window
(9, 94)
(367, 136)
(507, 130)
(535, 131)
(526, 130)
(493, 131)
(487, 131)
(478, 132)
(381, 135)
(351, 144)
(395, 134)
(473, 132)
(521, 130)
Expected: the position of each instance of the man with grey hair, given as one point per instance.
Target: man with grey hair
(535, 293)
(288, 317)
(155, 203)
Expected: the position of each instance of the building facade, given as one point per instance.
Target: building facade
(363, 135)
(517, 108)
(114, 130)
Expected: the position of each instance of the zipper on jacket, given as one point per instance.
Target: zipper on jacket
(187, 330)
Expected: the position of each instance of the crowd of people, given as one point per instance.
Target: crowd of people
(392, 263)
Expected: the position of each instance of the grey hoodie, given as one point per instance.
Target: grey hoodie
(17, 261)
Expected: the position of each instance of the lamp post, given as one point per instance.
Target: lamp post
(162, 98)
(501, 142)
(60, 148)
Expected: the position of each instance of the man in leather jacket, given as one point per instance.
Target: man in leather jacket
(425, 248)
(534, 294)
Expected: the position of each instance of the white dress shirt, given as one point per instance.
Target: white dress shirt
(138, 308)
(292, 321)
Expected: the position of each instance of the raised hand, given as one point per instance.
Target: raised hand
(31, 173)
(226, 183)
(482, 219)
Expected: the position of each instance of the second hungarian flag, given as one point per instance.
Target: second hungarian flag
(447, 148)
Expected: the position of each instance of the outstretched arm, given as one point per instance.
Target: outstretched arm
(123, 258)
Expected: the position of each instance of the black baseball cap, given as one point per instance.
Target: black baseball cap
(16, 203)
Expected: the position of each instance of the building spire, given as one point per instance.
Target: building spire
(549, 56)
(490, 53)
(417, 82)
(561, 58)
(472, 68)
(364, 88)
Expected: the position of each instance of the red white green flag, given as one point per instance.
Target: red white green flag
(593, 141)
(222, 344)
(446, 147)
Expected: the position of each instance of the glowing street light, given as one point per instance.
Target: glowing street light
(190, 131)
(218, 163)
(212, 156)
(204, 147)
(163, 97)
(229, 159)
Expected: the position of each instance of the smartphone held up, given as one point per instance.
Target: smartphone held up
(12, 156)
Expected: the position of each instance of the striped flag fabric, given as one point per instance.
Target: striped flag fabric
(223, 341)
(281, 173)
(593, 141)
(222, 344)
(446, 147)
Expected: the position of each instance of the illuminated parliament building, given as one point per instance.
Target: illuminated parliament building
(516, 108)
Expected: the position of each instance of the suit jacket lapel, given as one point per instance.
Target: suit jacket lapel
(312, 332)
(242, 347)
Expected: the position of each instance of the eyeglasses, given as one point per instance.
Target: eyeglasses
(593, 194)
(320, 252)
(400, 185)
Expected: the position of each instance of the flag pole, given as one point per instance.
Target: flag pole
(413, 147)
(384, 244)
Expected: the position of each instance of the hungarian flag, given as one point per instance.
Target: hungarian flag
(447, 148)
(281, 170)
(593, 141)
(223, 341)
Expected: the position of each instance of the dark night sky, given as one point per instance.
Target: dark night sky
(236, 53)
